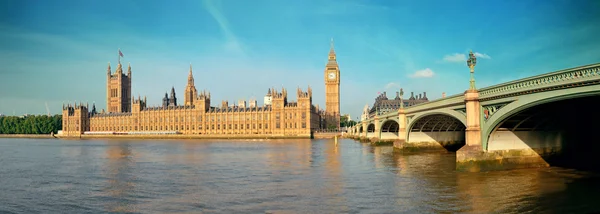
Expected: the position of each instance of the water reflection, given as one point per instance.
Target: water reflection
(294, 176)
(120, 177)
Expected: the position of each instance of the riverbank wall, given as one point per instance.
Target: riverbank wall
(182, 136)
(326, 135)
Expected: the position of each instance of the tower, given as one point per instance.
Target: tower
(118, 90)
(332, 90)
(190, 90)
(172, 98)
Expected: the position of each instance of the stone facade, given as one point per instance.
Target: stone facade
(384, 105)
(332, 90)
(278, 117)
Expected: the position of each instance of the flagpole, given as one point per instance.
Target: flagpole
(119, 55)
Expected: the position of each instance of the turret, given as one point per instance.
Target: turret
(173, 98)
(129, 69)
(108, 70)
(224, 104)
(166, 100)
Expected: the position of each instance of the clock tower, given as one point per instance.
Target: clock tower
(332, 90)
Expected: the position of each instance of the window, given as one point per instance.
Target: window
(247, 126)
(303, 125)
(235, 126)
(266, 125)
(229, 126)
(277, 125)
(303, 115)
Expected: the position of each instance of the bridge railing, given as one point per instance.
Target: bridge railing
(549, 79)
(588, 72)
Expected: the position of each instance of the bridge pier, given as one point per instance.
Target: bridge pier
(399, 143)
(473, 157)
(472, 152)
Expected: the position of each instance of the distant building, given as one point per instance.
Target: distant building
(268, 99)
(384, 105)
(365, 113)
(195, 116)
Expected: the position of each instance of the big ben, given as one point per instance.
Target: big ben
(332, 90)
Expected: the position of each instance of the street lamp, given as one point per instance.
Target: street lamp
(471, 63)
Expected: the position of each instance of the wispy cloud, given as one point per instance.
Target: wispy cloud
(456, 57)
(232, 43)
(392, 85)
(425, 73)
(482, 55)
(459, 58)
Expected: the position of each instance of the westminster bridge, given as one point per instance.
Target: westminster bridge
(549, 119)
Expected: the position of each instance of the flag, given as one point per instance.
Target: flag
(378, 93)
(120, 54)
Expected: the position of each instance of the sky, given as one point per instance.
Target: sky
(55, 52)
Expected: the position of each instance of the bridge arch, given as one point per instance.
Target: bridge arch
(371, 127)
(557, 128)
(389, 129)
(370, 130)
(445, 126)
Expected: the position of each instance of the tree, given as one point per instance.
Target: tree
(41, 124)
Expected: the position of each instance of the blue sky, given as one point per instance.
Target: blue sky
(57, 51)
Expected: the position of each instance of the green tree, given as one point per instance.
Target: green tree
(41, 124)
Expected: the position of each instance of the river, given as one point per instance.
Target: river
(270, 176)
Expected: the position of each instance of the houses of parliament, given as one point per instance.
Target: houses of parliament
(196, 116)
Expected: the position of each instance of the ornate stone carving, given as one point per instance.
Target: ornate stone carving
(462, 111)
(489, 110)
(539, 81)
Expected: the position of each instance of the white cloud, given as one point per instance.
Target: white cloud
(392, 85)
(482, 56)
(456, 57)
(232, 42)
(425, 73)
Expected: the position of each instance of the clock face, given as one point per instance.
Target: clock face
(331, 75)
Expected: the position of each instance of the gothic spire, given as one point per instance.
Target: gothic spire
(129, 69)
(190, 77)
(108, 71)
(332, 58)
(331, 50)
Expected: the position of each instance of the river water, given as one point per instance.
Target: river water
(275, 176)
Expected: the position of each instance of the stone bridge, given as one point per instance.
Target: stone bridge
(529, 122)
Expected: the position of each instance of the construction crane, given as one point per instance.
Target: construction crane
(47, 109)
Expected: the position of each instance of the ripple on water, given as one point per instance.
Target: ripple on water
(269, 177)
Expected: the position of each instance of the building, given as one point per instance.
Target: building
(384, 105)
(365, 113)
(278, 117)
(332, 91)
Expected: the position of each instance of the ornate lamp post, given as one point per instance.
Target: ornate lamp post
(471, 62)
